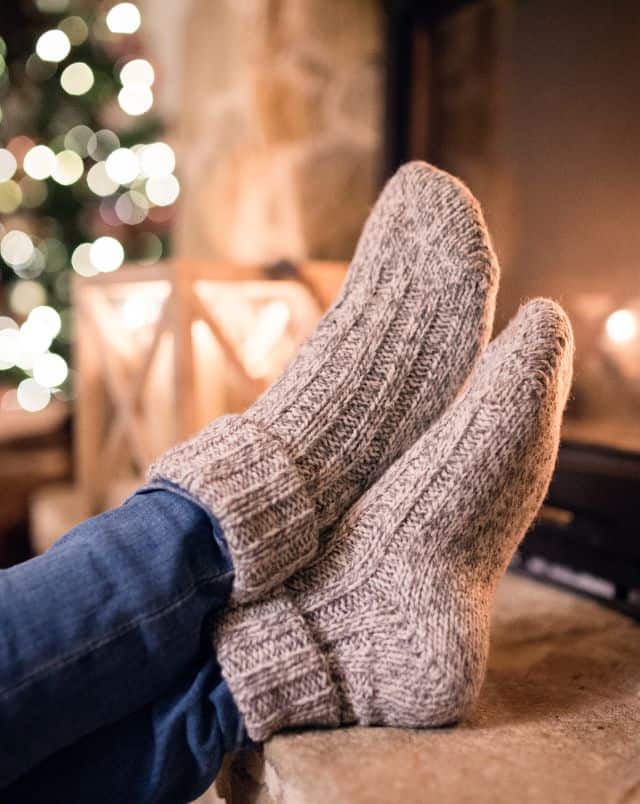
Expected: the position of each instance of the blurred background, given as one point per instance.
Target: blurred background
(182, 186)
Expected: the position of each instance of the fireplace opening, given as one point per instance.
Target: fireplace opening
(535, 107)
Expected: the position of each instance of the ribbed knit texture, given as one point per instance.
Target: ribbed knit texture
(390, 623)
(386, 360)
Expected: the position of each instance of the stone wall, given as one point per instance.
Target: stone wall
(275, 107)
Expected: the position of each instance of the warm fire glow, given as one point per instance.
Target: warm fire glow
(622, 326)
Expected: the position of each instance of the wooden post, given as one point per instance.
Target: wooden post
(90, 413)
(182, 303)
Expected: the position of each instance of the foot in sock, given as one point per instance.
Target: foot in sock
(389, 356)
(390, 623)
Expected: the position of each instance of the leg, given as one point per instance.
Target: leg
(168, 751)
(104, 623)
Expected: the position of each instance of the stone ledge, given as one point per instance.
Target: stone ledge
(558, 720)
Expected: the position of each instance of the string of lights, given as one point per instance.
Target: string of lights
(85, 182)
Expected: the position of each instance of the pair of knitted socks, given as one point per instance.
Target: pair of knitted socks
(374, 495)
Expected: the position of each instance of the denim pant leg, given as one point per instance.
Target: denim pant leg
(104, 623)
(166, 753)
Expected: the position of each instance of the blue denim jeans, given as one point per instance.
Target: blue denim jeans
(109, 686)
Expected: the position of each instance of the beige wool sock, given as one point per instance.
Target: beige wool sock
(390, 623)
(386, 360)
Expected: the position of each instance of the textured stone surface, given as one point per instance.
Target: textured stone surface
(267, 99)
(558, 721)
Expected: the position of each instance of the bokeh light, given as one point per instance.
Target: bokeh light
(47, 319)
(163, 191)
(19, 146)
(16, 248)
(102, 143)
(52, 6)
(135, 99)
(122, 166)
(78, 139)
(138, 71)
(68, 168)
(75, 28)
(81, 260)
(132, 207)
(621, 326)
(50, 370)
(8, 164)
(55, 253)
(106, 254)
(123, 18)
(151, 248)
(39, 162)
(77, 78)
(34, 339)
(25, 295)
(34, 192)
(53, 45)
(99, 181)
(33, 267)
(157, 160)
(10, 196)
(32, 396)
(9, 347)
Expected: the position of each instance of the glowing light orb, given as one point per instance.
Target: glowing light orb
(8, 164)
(102, 143)
(68, 169)
(99, 181)
(132, 207)
(10, 196)
(50, 370)
(25, 295)
(81, 260)
(122, 166)
(16, 248)
(163, 191)
(77, 78)
(47, 319)
(123, 18)
(32, 397)
(138, 71)
(53, 45)
(621, 326)
(157, 160)
(135, 99)
(34, 338)
(106, 254)
(39, 162)
(9, 348)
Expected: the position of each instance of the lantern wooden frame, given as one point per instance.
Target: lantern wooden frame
(109, 388)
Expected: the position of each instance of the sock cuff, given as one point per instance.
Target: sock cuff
(245, 477)
(275, 668)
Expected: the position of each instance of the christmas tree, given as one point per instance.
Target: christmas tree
(85, 182)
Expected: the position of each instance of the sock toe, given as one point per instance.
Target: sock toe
(534, 352)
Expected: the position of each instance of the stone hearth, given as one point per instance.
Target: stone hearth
(558, 720)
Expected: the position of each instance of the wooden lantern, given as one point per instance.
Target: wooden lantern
(160, 350)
